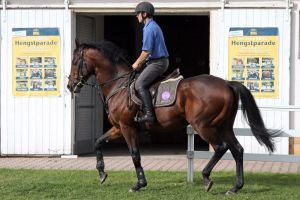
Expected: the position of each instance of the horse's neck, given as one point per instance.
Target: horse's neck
(109, 73)
(123, 69)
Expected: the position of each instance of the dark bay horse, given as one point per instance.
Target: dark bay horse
(206, 102)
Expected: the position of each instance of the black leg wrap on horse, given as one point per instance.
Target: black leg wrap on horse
(100, 162)
(142, 182)
(102, 175)
(100, 166)
(141, 175)
(136, 158)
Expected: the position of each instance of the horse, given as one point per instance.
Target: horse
(208, 103)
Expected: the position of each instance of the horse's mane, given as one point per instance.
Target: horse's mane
(112, 52)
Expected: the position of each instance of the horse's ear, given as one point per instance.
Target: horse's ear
(77, 43)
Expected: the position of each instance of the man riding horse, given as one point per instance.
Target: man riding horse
(154, 54)
(208, 103)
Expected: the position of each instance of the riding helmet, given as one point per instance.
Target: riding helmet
(145, 7)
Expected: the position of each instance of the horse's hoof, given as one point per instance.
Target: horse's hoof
(103, 177)
(230, 193)
(133, 190)
(208, 186)
(137, 187)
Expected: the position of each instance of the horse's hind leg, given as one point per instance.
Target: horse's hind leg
(210, 135)
(237, 153)
(111, 134)
(219, 152)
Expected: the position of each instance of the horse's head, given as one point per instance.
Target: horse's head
(79, 70)
(105, 59)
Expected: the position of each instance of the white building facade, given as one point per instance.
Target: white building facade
(45, 125)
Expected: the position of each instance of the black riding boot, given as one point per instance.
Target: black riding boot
(149, 115)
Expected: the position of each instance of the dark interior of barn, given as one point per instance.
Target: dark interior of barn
(187, 40)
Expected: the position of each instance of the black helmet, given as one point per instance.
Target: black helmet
(145, 7)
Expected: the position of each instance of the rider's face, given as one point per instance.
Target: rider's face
(139, 17)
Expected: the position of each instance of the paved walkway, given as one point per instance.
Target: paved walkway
(150, 162)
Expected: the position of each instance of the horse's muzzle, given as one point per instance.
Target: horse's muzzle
(75, 87)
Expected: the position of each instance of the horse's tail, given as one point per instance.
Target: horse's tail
(252, 115)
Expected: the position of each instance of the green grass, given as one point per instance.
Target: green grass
(63, 184)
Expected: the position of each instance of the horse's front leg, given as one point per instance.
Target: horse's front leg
(142, 182)
(131, 136)
(111, 134)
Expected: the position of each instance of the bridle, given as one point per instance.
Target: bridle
(80, 80)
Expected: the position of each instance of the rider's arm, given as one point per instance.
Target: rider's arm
(140, 61)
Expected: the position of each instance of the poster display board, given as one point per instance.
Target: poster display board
(253, 59)
(36, 61)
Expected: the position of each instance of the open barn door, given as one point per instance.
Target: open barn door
(87, 108)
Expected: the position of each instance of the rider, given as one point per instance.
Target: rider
(154, 54)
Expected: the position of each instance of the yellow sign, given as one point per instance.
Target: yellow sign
(253, 60)
(36, 62)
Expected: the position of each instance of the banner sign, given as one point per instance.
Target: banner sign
(36, 61)
(253, 59)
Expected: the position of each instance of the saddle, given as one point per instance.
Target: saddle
(163, 91)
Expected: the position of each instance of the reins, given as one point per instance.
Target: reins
(99, 87)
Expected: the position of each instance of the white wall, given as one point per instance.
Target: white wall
(35, 125)
(260, 18)
(223, 20)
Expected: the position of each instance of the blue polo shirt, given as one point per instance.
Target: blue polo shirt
(153, 40)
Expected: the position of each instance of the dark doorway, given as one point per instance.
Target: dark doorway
(121, 30)
(187, 40)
